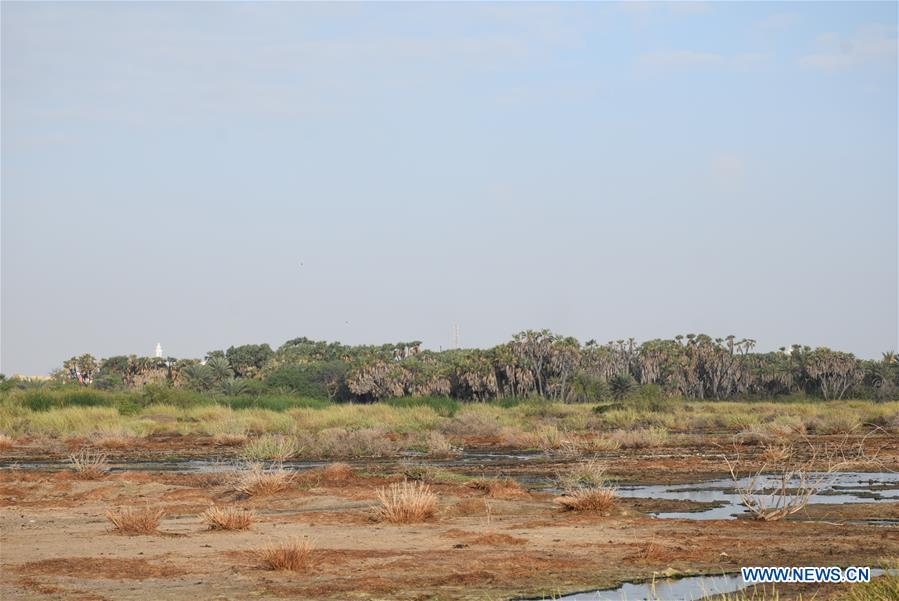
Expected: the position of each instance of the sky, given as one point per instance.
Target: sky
(209, 174)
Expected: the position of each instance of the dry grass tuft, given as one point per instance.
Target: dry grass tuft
(439, 445)
(293, 554)
(651, 551)
(230, 439)
(777, 453)
(406, 502)
(89, 465)
(113, 441)
(270, 447)
(881, 588)
(497, 488)
(600, 499)
(599, 444)
(136, 520)
(337, 471)
(549, 438)
(640, 439)
(259, 481)
(227, 518)
(6, 443)
(586, 474)
(472, 422)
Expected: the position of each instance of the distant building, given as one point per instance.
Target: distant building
(158, 349)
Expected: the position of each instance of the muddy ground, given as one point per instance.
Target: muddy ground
(57, 543)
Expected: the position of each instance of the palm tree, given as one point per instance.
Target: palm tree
(621, 386)
(233, 387)
(198, 377)
(221, 368)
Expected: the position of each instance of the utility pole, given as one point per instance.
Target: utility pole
(456, 335)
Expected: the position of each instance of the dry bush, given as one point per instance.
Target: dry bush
(230, 439)
(259, 481)
(293, 554)
(586, 474)
(89, 465)
(337, 471)
(406, 502)
(6, 443)
(439, 445)
(794, 480)
(472, 423)
(270, 447)
(136, 520)
(227, 518)
(497, 488)
(640, 439)
(600, 499)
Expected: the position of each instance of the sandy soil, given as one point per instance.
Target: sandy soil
(57, 544)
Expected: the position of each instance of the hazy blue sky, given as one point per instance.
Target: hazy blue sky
(603, 170)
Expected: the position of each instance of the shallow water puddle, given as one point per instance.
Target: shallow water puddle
(691, 588)
(668, 589)
(838, 488)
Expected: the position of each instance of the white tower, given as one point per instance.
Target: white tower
(158, 349)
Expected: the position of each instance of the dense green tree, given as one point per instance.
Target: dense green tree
(247, 360)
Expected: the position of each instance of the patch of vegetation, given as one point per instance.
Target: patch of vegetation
(136, 520)
(406, 502)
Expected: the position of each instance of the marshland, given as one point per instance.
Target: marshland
(536, 469)
(268, 272)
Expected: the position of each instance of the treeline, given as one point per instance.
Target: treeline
(533, 363)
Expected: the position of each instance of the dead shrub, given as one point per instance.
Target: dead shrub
(293, 554)
(227, 518)
(259, 481)
(6, 443)
(406, 502)
(497, 488)
(136, 520)
(784, 485)
(600, 499)
(88, 464)
(337, 471)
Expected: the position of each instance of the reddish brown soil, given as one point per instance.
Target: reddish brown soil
(56, 543)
